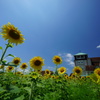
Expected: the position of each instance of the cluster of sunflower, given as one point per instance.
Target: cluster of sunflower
(13, 36)
(16, 61)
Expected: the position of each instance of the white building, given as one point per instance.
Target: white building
(87, 64)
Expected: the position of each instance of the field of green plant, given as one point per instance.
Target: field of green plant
(36, 85)
(31, 87)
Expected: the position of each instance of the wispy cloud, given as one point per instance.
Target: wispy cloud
(68, 58)
(98, 46)
(26, 70)
(48, 67)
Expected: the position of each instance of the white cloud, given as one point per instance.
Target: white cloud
(48, 67)
(98, 46)
(68, 58)
(26, 70)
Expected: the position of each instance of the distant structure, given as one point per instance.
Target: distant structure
(87, 64)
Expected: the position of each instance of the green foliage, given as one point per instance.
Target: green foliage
(1, 48)
(23, 87)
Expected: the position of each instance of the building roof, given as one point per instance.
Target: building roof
(80, 54)
(95, 59)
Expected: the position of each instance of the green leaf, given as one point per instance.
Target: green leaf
(3, 62)
(10, 55)
(11, 64)
(28, 89)
(15, 89)
(1, 47)
(20, 98)
(1, 89)
(11, 45)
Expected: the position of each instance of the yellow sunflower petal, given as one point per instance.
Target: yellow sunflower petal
(23, 66)
(57, 60)
(10, 68)
(77, 70)
(61, 70)
(12, 34)
(36, 63)
(16, 60)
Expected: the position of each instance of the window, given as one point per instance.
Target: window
(78, 57)
(82, 57)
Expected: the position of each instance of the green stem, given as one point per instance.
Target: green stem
(4, 52)
(56, 72)
(3, 70)
(23, 71)
(15, 70)
(30, 97)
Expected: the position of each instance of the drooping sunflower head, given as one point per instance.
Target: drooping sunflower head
(97, 72)
(12, 34)
(23, 66)
(1, 66)
(36, 63)
(16, 61)
(61, 70)
(77, 70)
(57, 60)
(47, 72)
(10, 68)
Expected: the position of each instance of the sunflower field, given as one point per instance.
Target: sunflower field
(38, 84)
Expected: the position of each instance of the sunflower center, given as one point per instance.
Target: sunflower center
(24, 66)
(47, 72)
(10, 68)
(99, 73)
(37, 62)
(57, 60)
(62, 70)
(16, 61)
(14, 34)
(77, 71)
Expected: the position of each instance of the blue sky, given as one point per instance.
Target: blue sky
(53, 27)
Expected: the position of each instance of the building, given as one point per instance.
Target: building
(87, 64)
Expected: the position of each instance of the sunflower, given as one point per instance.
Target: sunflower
(16, 61)
(97, 72)
(1, 66)
(87, 76)
(24, 66)
(56, 77)
(57, 60)
(12, 34)
(61, 70)
(65, 75)
(72, 75)
(9, 68)
(52, 76)
(34, 75)
(47, 72)
(36, 63)
(77, 70)
(82, 77)
(19, 73)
